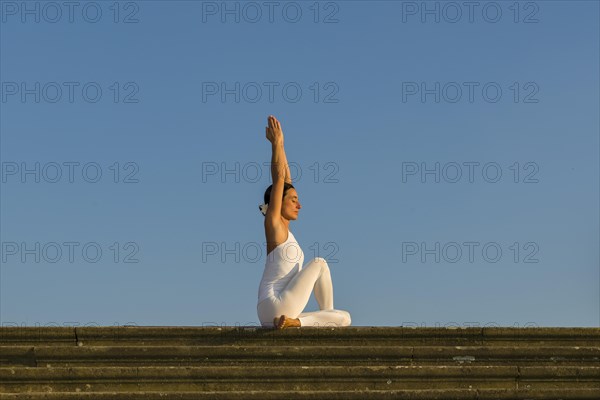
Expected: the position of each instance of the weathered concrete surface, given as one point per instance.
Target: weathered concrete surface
(307, 363)
(426, 394)
(161, 335)
(74, 356)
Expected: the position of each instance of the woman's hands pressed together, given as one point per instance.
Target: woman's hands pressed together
(273, 131)
(279, 165)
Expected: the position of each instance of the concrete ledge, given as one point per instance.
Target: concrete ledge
(447, 394)
(299, 363)
(235, 378)
(33, 356)
(211, 335)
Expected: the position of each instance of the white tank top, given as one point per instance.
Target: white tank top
(281, 266)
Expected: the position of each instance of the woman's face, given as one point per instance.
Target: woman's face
(291, 205)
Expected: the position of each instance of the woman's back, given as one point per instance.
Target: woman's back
(281, 265)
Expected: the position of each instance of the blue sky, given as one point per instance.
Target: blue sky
(448, 169)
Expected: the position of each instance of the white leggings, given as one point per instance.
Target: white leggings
(292, 299)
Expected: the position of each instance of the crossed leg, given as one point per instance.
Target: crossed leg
(292, 299)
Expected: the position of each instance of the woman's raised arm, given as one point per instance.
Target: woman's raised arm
(279, 164)
(280, 170)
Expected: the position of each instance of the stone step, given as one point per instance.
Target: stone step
(427, 394)
(325, 336)
(212, 378)
(100, 355)
(299, 363)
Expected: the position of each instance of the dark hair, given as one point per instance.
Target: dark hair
(286, 187)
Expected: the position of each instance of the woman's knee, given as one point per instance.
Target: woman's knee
(347, 318)
(342, 318)
(320, 262)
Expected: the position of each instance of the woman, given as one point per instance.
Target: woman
(286, 285)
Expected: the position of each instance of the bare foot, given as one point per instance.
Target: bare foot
(285, 322)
